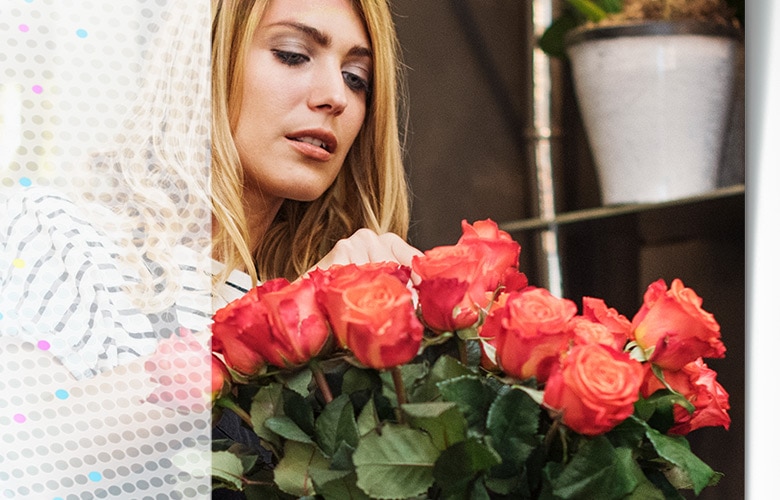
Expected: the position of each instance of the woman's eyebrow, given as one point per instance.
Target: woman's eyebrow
(323, 39)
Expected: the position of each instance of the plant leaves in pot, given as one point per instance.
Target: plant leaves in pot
(654, 82)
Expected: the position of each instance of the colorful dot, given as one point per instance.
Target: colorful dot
(81, 33)
(1, 315)
(19, 418)
(95, 476)
(25, 181)
(61, 394)
(43, 345)
(37, 89)
(18, 263)
(24, 28)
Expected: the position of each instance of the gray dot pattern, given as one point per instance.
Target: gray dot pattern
(101, 396)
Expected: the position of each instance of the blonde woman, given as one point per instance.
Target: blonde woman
(306, 156)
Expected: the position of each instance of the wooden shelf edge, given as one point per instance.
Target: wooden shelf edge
(615, 210)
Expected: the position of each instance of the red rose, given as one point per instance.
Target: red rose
(277, 322)
(459, 281)
(296, 328)
(499, 254)
(618, 325)
(696, 381)
(451, 292)
(335, 280)
(530, 332)
(220, 379)
(593, 389)
(232, 331)
(673, 329)
(382, 329)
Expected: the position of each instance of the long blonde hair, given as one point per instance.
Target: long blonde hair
(371, 189)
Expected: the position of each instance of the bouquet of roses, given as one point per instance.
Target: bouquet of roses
(457, 379)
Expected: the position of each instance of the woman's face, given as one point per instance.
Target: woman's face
(306, 84)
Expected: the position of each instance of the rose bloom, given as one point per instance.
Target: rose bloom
(296, 329)
(618, 325)
(530, 332)
(335, 280)
(220, 379)
(277, 322)
(382, 329)
(586, 331)
(232, 331)
(459, 281)
(673, 329)
(593, 389)
(696, 381)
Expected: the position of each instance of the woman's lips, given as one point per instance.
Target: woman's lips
(317, 144)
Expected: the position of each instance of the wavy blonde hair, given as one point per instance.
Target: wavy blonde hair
(370, 190)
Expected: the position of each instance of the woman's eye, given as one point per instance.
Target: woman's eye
(355, 82)
(290, 58)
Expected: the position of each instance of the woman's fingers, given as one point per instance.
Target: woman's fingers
(366, 246)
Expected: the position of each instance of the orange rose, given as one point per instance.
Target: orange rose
(459, 281)
(673, 329)
(593, 389)
(335, 280)
(382, 329)
(530, 332)
(589, 332)
(618, 325)
(696, 381)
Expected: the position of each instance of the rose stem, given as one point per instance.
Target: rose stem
(400, 392)
(322, 382)
(233, 406)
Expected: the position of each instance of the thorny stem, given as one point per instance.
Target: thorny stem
(322, 383)
(400, 392)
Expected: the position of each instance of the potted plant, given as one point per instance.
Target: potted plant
(654, 81)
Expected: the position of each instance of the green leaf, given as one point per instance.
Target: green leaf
(459, 465)
(227, 468)
(267, 403)
(292, 472)
(646, 490)
(591, 10)
(298, 410)
(512, 424)
(336, 424)
(297, 381)
(690, 471)
(367, 420)
(342, 458)
(356, 379)
(629, 433)
(398, 463)
(447, 367)
(552, 40)
(286, 428)
(442, 421)
(337, 484)
(598, 470)
(414, 377)
(472, 397)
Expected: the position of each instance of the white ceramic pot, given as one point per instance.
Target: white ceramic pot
(655, 98)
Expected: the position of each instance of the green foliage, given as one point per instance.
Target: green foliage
(461, 435)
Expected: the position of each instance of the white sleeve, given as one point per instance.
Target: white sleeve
(63, 288)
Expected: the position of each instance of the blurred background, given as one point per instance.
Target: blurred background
(475, 150)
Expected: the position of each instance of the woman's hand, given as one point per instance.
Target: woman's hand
(366, 246)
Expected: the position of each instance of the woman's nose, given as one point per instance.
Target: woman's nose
(329, 91)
